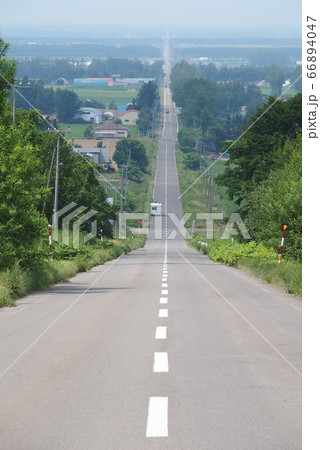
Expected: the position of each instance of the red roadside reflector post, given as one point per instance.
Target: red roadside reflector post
(282, 242)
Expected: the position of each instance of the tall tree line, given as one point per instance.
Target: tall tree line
(26, 154)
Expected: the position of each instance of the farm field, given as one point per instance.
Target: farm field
(77, 130)
(120, 95)
(290, 93)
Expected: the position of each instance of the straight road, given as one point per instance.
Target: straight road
(159, 349)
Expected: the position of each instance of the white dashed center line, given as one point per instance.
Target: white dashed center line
(161, 333)
(163, 300)
(163, 313)
(157, 424)
(164, 292)
(160, 363)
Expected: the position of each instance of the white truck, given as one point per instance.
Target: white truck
(156, 209)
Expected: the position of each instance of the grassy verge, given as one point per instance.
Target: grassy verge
(256, 259)
(17, 282)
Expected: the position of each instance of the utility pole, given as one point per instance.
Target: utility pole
(210, 191)
(56, 184)
(121, 190)
(124, 182)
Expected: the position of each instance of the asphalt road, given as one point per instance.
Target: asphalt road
(159, 349)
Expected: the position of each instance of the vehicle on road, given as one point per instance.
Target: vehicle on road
(155, 209)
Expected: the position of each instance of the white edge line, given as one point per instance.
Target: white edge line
(243, 317)
(59, 317)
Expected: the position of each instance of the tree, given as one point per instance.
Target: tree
(77, 181)
(144, 123)
(180, 73)
(276, 79)
(89, 132)
(186, 139)
(147, 96)
(295, 76)
(67, 104)
(131, 150)
(252, 157)
(277, 201)
(37, 96)
(191, 161)
(194, 95)
(112, 105)
(7, 74)
(21, 193)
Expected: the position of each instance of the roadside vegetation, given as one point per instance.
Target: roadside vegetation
(18, 281)
(256, 259)
(261, 179)
(27, 188)
(196, 198)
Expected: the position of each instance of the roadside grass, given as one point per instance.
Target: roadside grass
(287, 275)
(17, 282)
(256, 259)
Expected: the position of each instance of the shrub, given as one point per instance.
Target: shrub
(230, 253)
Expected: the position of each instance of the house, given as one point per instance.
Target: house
(129, 117)
(263, 83)
(92, 115)
(111, 132)
(97, 155)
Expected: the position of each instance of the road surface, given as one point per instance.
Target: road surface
(159, 349)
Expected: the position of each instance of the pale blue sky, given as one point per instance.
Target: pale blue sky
(255, 15)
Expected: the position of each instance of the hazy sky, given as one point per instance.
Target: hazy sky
(223, 15)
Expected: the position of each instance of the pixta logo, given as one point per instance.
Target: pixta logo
(177, 226)
(72, 219)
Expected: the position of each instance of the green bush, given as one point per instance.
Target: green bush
(16, 281)
(5, 296)
(230, 253)
(257, 259)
